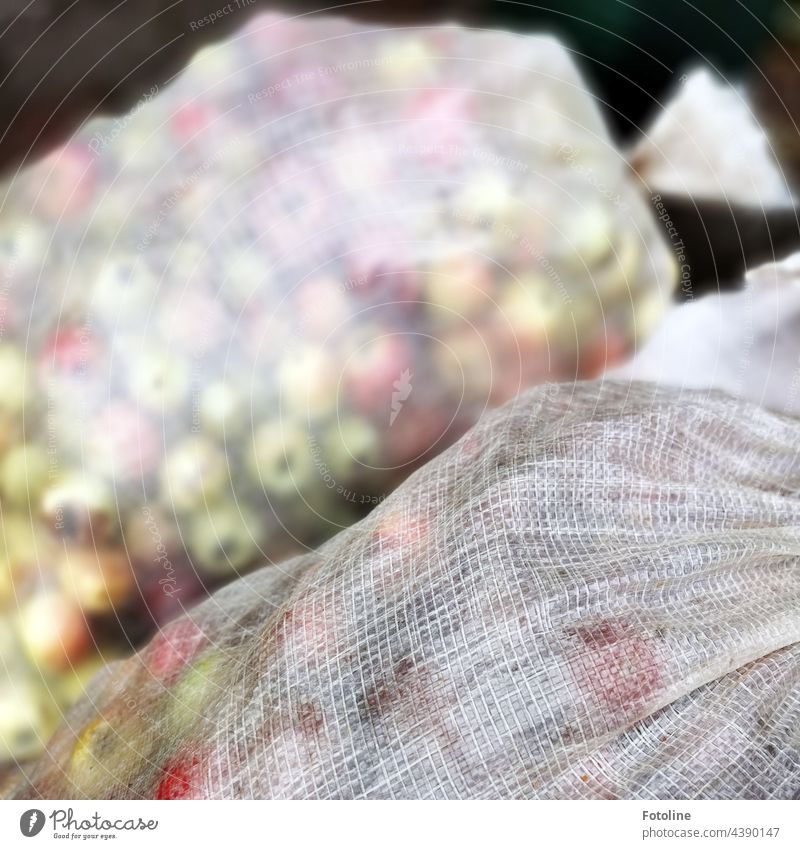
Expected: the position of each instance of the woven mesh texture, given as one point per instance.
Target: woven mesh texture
(594, 593)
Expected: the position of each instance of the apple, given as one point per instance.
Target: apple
(488, 195)
(27, 718)
(172, 648)
(372, 370)
(14, 378)
(10, 429)
(183, 778)
(321, 305)
(6, 581)
(107, 752)
(24, 544)
(73, 684)
(223, 410)
(248, 274)
(149, 535)
(439, 123)
(24, 474)
(465, 364)
(531, 312)
(307, 381)
(66, 182)
(190, 122)
(159, 379)
(349, 445)
(458, 288)
(125, 443)
(123, 290)
(53, 630)
(588, 237)
(69, 356)
(224, 538)
(187, 704)
(195, 471)
(99, 579)
(280, 458)
(194, 321)
(406, 61)
(80, 508)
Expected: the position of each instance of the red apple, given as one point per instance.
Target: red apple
(183, 778)
(172, 648)
(71, 354)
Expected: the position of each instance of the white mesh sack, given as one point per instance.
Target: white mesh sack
(594, 593)
(236, 317)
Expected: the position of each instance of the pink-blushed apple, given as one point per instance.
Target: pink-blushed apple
(125, 443)
(172, 648)
(67, 182)
(458, 288)
(190, 122)
(322, 306)
(194, 321)
(371, 371)
(69, 356)
(53, 630)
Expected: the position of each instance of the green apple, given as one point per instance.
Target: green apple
(350, 445)
(280, 459)
(223, 410)
(80, 507)
(159, 380)
(225, 538)
(27, 719)
(308, 381)
(188, 705)
(15, 379)
(195, 471)
(24, 474)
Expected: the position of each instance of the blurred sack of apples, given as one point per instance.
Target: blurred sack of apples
(235, 318)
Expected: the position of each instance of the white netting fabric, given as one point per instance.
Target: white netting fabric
(594, 593)
(235, 318)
